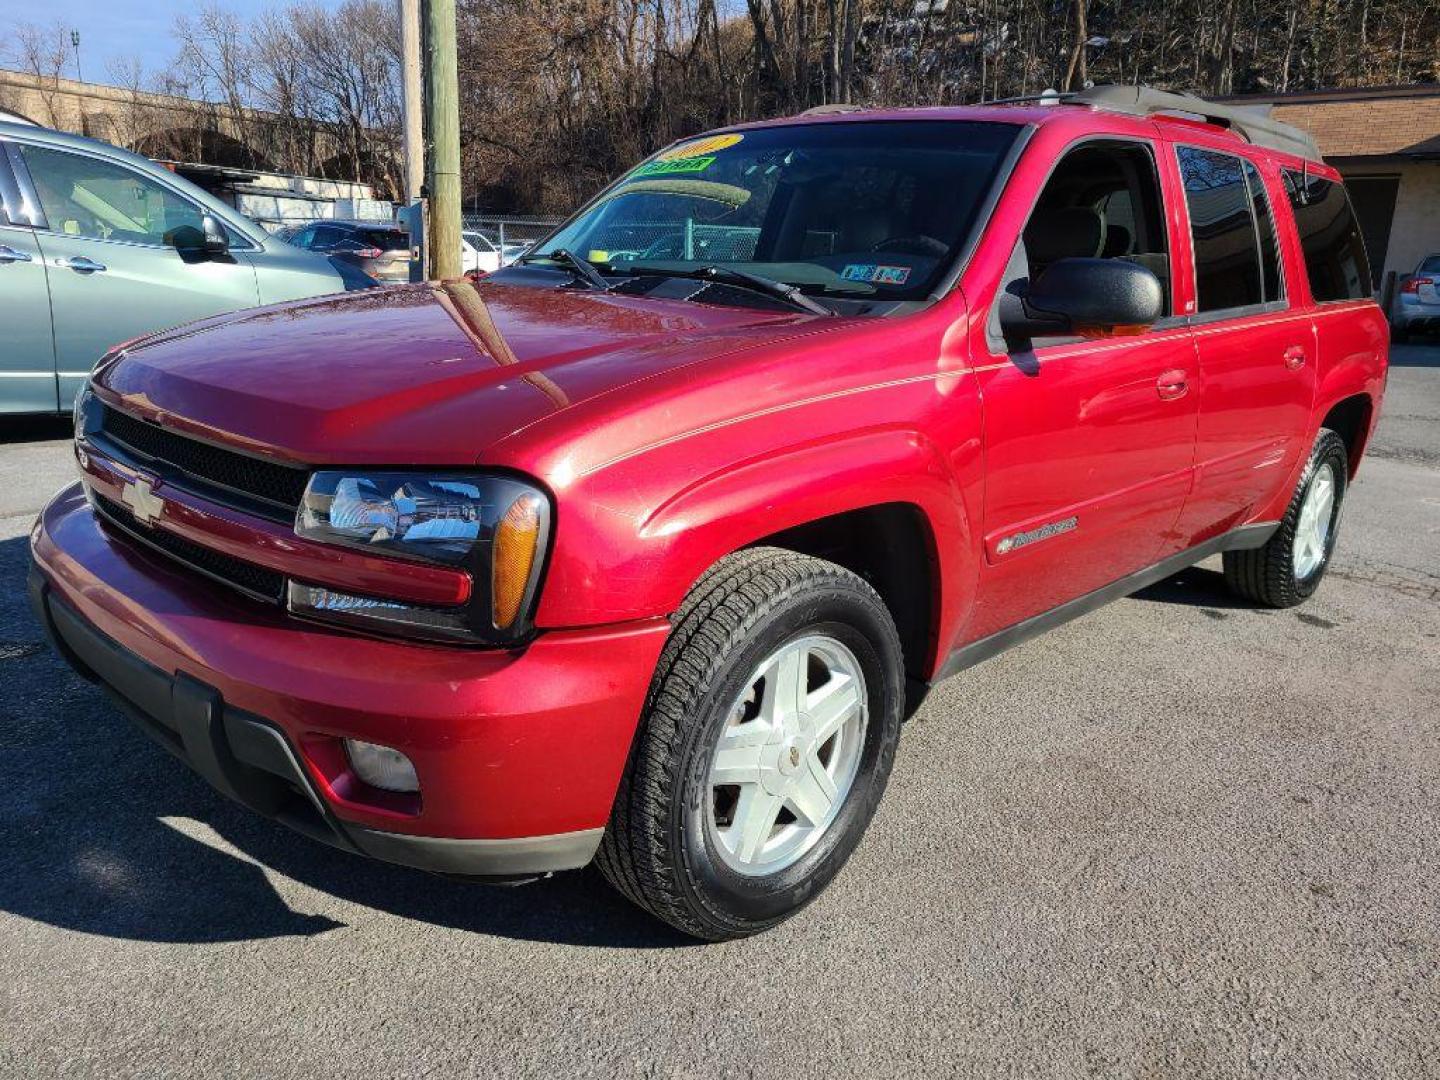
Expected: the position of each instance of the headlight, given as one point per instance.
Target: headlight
(493, 526)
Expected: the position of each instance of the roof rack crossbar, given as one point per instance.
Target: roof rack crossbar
(1252, 122)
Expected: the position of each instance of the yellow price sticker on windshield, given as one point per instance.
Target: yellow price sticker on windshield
(701, 147)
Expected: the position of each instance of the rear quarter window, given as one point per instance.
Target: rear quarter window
(1335, 260)
(1234, 269)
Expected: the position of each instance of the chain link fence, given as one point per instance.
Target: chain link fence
(506, 232)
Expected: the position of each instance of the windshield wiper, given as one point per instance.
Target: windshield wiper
(582, 270)
(781, 290)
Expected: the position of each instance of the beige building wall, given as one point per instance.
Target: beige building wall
(1416, 230)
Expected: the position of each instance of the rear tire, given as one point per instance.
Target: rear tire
(783, 674)
(1289, 568)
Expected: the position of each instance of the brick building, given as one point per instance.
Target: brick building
(1386, 143)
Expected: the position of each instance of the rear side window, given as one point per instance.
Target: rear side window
(14, 210)
(1236, 264)
(1335, 258)
(1270, 276)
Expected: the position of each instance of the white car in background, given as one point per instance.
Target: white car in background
(478, 254)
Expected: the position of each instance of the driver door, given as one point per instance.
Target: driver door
(113, 276)
(1089, 443)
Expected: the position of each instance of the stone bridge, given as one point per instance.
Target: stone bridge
(171, 128)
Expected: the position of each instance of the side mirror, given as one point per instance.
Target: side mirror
(1089, 297)
(207, 242)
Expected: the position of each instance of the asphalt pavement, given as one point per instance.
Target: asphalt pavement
(1178, 837)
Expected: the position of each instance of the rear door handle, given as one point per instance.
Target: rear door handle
(1295, 357)
(81, 264)
(1172, 384)
(10, 255)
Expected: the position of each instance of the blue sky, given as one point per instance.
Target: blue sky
(118, 29)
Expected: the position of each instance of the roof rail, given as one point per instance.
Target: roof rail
(833, 109)
(1252, 122)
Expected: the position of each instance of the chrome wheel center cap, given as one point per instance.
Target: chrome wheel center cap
(792, 753)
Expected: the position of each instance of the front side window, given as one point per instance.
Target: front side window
(1101, 202)
(86, 197)
(864, 210)
(1335, 260)
(1222, 225)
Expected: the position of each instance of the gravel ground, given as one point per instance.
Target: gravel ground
(1179, 837)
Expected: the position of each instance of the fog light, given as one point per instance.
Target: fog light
(383, 767)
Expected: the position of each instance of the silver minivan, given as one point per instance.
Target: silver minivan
(99, 245)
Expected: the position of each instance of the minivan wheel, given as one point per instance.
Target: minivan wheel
(1290, 566)
(765, 745)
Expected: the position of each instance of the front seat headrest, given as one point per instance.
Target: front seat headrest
(1070, 232)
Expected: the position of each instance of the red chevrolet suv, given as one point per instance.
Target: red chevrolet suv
(639, 551)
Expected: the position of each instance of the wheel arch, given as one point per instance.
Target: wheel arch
(892, 546)
(884, 504)
(1352, 419)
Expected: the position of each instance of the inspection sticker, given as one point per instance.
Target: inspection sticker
(876, 275)
(678, 166)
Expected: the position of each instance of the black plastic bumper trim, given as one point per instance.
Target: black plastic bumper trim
(250, 760)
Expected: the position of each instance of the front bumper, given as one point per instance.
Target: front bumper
(518, 753)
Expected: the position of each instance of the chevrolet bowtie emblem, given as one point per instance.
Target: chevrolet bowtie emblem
(139, 495)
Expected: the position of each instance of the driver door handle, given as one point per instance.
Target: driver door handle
(10, 255)
(81, 264)
(1172, 384)
(1295, 357)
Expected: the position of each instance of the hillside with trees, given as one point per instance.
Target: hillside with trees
(559, 96)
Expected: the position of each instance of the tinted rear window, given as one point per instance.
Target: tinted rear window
(1222, 223)
(1330, 237)
(386, 239)
(1430, 265)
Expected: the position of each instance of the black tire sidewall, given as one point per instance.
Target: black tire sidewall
(742, 902)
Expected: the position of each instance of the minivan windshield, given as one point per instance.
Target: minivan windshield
(844, 209)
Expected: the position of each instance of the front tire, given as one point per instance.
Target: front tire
(765, 745)
(1289, 568)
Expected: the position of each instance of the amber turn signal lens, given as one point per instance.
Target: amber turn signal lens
(517, 539)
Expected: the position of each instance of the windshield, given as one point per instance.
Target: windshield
(875, 208)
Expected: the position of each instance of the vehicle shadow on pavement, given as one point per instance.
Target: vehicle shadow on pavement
(1195, 586)
(1424, 353)
(23, 429)
(105, 833)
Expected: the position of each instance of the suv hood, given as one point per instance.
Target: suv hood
(427, 374)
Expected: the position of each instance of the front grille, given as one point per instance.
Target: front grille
(281, 486)
(250, 579)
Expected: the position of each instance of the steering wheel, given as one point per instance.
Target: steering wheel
(913, 245)
(668, 246)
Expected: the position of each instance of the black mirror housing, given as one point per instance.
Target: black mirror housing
(207, 242)
(1090, 297)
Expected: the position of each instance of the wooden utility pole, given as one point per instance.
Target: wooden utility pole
(442, 114)
(412, 131)
(412, 97)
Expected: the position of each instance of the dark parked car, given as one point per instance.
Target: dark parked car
(379, 249)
